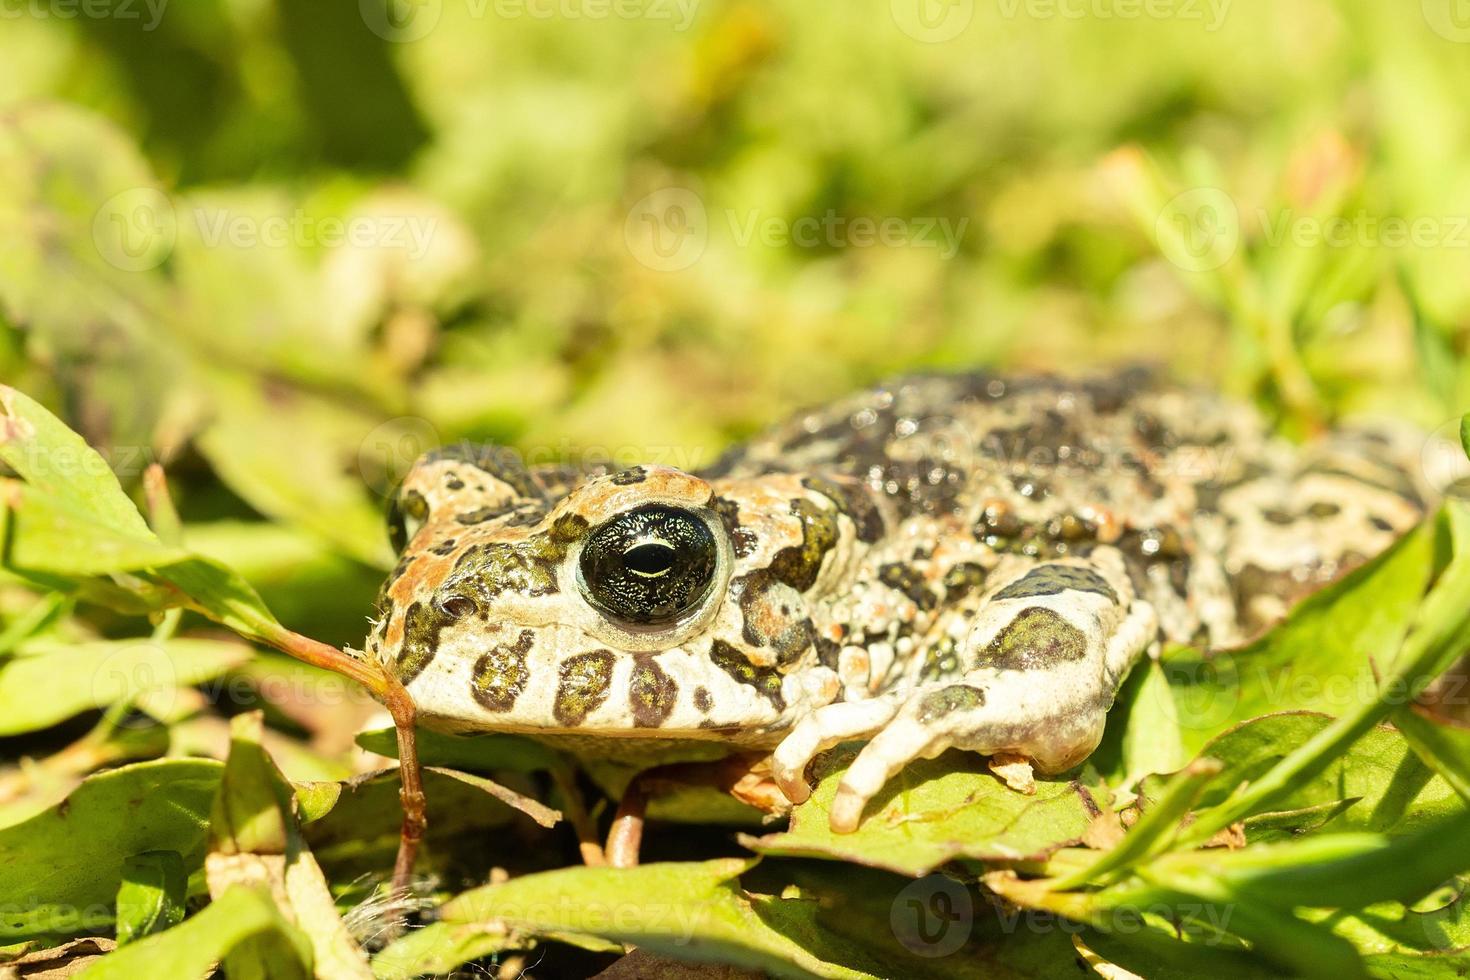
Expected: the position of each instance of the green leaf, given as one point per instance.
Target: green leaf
(60, 870)
(1334, 870)
(60, 465)
(1444, 748)
(1322, 658)
(1385, 786)
(935, 811)
(543, 815)
(54, 535)
(39, 617)
(1154, 828)
(439, 947)
(254, 837)
(252, 813)
(695, 912)
(151, 896)
(1441, 631)
(1143, 729)
(359, 834)
(473, 753)
(54, 682)
(1465, 433)
(291, 455)
(241, 915)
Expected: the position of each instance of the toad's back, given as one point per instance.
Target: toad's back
(1221, 524)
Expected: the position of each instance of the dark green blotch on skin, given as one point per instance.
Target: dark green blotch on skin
(483, 514)
(443, 547)
(799, 565)
(963, 579)
(652, 692)
(500, 676)
(941, 660)
(948, 700)
(906, 579)
(421, 628)
(852, 501)
(630, 476)
(765, 680)
(767, 623)
(582, 686)
(702, 700)
(1036, 639)
(490, 569)
(524, 568)
(1051, 579)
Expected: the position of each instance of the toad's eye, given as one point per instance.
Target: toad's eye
(649, 566)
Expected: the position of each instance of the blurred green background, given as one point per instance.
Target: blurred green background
(282, 247)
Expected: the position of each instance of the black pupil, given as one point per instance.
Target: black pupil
(655, 558)
(650, 565)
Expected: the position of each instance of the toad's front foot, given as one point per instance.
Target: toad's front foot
(1049, 715)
